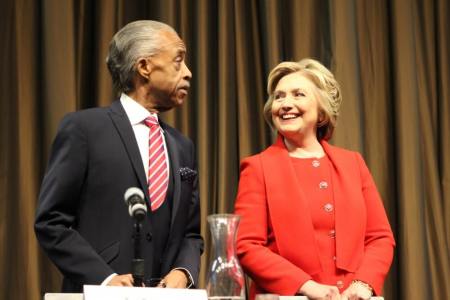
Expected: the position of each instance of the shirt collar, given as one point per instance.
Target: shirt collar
(136, 113)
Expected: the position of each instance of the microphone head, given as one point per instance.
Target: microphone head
(138, 211)
(131, 192)
(134, 198)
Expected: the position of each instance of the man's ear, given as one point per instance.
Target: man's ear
(144, 67)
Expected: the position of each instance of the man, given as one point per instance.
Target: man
(82, 221)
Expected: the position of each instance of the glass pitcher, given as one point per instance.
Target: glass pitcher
(225, 278)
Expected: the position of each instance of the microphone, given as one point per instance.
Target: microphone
(134, 198)
(137, 209)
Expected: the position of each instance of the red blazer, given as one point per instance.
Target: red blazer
(276, 245)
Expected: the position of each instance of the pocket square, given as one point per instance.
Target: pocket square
(187, 174)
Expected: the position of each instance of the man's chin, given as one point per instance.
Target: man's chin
(178, 101)
(169, 106)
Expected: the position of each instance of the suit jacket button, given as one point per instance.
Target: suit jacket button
(323, 185)
(328, 207)
(315, 163)
(332, 233)
(149, 237)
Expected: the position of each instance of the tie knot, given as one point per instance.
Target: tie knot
(151, 121)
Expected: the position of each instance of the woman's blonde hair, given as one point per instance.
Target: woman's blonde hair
(329, 93)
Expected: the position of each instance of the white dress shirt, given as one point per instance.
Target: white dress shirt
(136, 113)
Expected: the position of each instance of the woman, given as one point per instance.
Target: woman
(312, 221)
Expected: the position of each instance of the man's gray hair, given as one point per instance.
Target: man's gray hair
(136, 40)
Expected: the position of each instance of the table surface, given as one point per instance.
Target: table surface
(305, 298)
(61, 296)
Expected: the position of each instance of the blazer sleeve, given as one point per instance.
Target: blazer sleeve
(192, 245)
(268, 269)
(57, 208)
(379, 241)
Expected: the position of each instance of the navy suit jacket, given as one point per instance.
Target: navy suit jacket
(82, 221)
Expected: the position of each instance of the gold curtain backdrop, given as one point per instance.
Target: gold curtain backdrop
(392, 58)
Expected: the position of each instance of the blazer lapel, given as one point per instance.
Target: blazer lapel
(123, 126)
(174, 158)
(288, 209)
(348, 203)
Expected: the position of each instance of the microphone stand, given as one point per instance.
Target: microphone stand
(138, 267)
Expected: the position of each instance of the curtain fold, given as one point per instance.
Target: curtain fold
(392, 59)
(421, 209)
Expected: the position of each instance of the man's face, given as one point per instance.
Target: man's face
(169, 76)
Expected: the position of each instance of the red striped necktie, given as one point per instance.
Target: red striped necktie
(158, 177)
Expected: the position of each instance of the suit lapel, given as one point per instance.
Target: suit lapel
(288, 209)
(174, 158)
(348, 203)
(123, 126)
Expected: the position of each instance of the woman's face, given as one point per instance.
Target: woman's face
(295, 107)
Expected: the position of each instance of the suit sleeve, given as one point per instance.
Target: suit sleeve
(379, 241)
(57, 208)
(268, 269)
(192, 246)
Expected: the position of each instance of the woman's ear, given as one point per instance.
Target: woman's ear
(321, 119)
